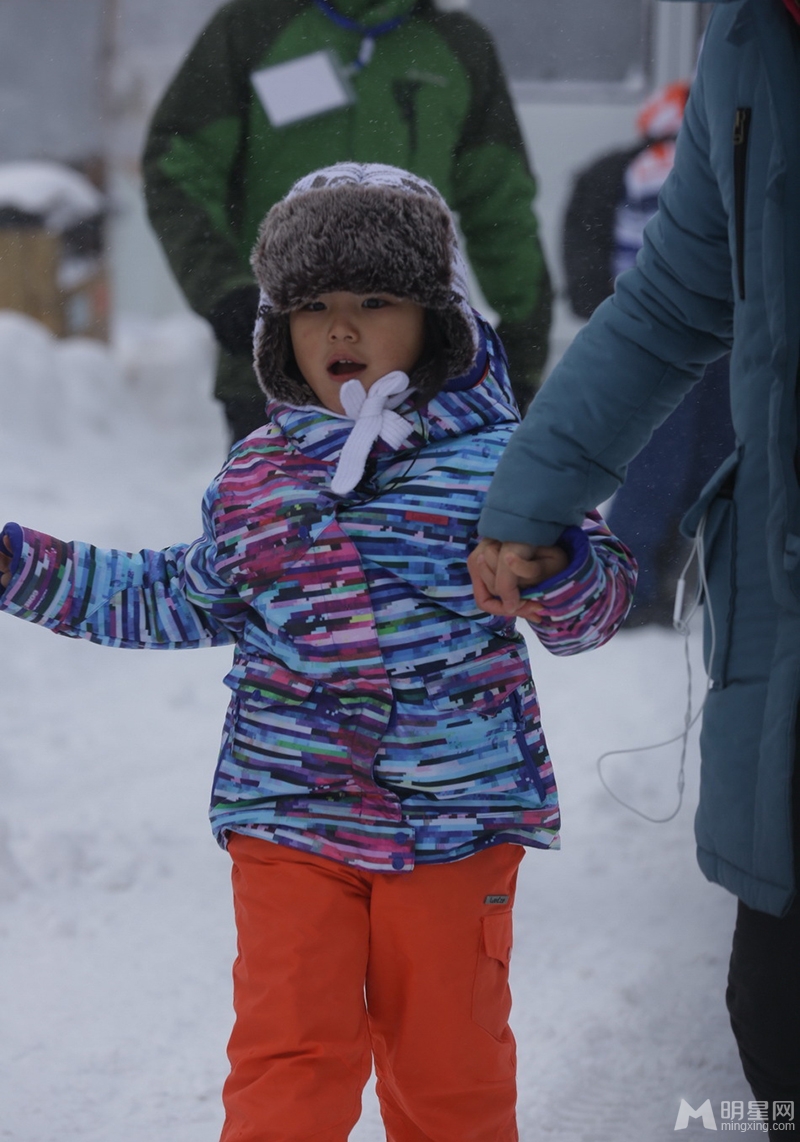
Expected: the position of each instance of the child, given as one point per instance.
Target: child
(382, 760)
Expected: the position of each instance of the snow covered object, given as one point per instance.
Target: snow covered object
(51, 248)
(57, 196)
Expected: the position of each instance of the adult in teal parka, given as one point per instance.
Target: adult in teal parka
(720, 269)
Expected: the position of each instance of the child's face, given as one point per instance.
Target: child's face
(343, 335)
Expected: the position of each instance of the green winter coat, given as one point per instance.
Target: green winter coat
(433, 100)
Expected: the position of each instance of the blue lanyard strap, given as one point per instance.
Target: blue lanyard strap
(370, 33)
(373, 31)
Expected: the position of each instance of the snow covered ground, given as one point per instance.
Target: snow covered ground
(116, 934)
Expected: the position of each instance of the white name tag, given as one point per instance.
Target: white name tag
(300, 88)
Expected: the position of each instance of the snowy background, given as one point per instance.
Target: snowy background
(116, 933)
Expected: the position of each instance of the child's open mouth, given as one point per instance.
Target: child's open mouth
(346, 367)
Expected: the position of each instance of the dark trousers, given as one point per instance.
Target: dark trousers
(764, 1005)
(663, 482)
(763, 993)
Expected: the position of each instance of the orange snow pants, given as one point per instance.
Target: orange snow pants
(337, 967)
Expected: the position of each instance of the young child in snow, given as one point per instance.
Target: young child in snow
(382, 761)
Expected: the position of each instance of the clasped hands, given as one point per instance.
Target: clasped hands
(499, 570)
(5, 562)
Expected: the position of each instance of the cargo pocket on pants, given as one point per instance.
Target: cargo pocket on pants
(491, 995)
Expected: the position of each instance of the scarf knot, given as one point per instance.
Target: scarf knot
(374, 417)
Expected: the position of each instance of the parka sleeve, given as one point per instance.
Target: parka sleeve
(191, 162)
(631, 365)
(587, 602)
(169, 599)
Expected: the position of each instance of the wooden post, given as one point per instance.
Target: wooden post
(29, 259)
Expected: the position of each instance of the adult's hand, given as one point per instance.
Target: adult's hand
(5, 561)
(499, 570)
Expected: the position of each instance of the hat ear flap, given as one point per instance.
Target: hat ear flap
(450, 350)
(272, 353)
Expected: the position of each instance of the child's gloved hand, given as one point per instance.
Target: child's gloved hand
(5, 561)
(499, 570)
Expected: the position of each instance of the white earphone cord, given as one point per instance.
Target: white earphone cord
(681, 625)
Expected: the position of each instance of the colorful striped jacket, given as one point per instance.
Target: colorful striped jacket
(378, 717)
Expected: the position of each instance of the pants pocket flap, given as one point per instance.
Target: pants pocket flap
(497, 936)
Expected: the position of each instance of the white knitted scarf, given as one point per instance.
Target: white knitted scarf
(373, 416)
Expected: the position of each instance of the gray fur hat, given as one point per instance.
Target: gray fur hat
(365, 228)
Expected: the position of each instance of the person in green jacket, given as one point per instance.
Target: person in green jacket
(407, 85)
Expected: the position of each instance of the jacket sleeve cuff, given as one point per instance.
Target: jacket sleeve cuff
(11, 542)
(38, 590)
(586, 602)
(509, 528)
(575, 542)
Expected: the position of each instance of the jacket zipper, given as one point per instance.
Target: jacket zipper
(522, 742)
(405, 95)
(741, 135)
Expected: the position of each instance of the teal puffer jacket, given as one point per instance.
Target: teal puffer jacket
(720, 269)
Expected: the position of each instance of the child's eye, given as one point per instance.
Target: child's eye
(313, 307)
(374, 303)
